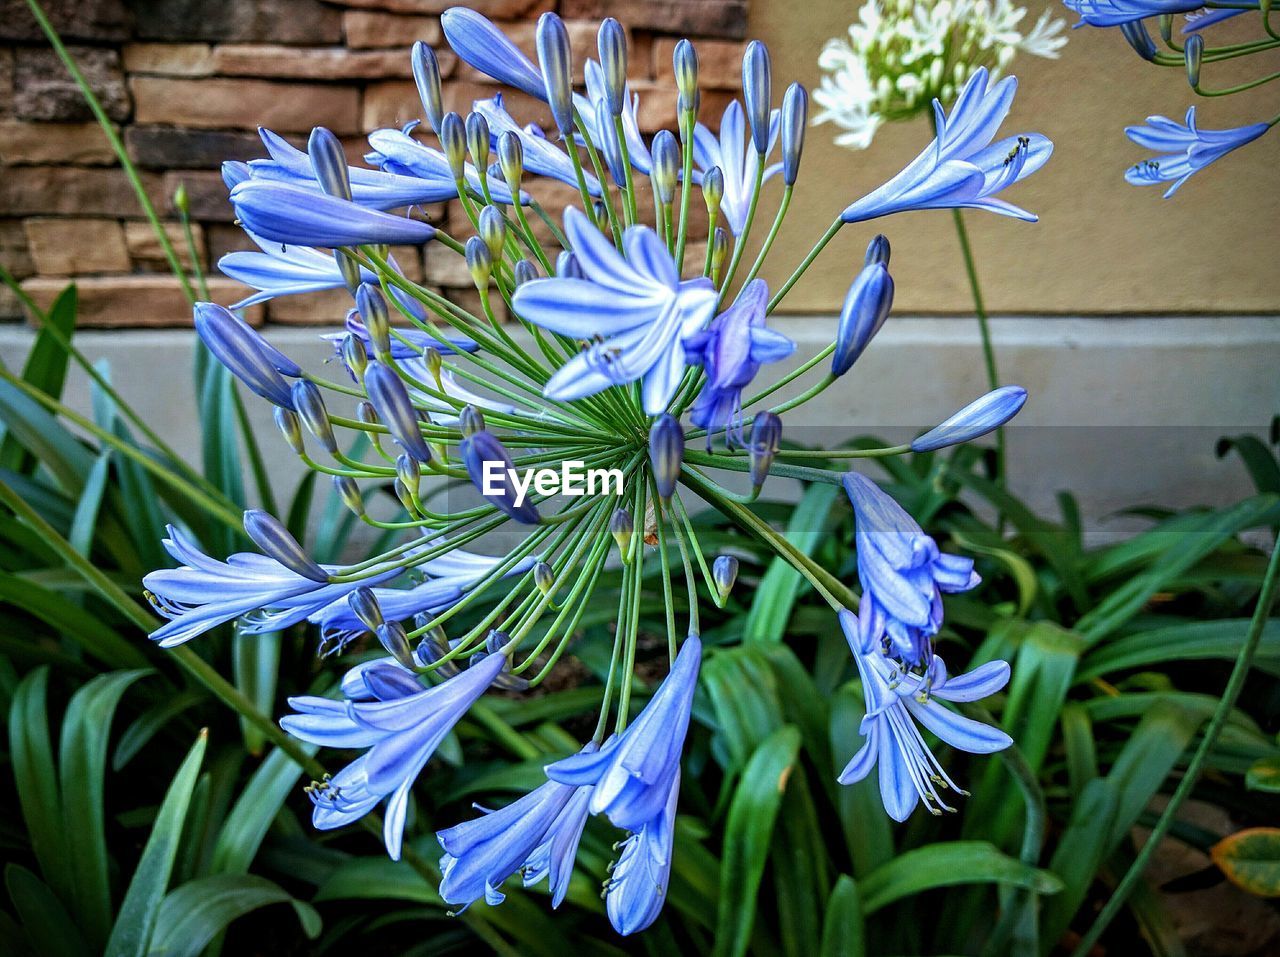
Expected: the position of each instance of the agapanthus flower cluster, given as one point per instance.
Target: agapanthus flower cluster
(633, 354)
(1183, 149)
(901, 55)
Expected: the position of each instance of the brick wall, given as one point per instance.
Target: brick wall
(187, 82)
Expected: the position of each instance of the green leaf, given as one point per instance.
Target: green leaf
(82, 759)
(259, 802)
(192, 915)
(843, 932)
(1257, 458)
(1083, 849)
(776, 593)
(85, 522)
(1264, 775)
(867, 829)
(45, 369)
(747, 837)
(947, 865)
(255, 661)
(136, 920)
(1192, 641)
(87, 630)
(31, 753)
(47, 924)
(1251, 860)
(1021, 570)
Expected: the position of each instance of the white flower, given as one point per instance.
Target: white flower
(900, 55)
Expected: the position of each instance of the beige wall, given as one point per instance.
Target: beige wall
(1101, 246)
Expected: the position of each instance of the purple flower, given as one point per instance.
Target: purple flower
(400, 733)
(739, 163)
(895, 702)
(1110, 13)
(1184, 149)
(732, 349)
(962, 167)
(903, 573)
(634, 310)
(634, 771)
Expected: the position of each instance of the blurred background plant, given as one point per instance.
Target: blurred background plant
(154, 808)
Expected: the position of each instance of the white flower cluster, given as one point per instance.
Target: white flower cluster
(901, 54)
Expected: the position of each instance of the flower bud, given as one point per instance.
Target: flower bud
(866, 306)
(666, 166)
(719, 248)
(405, 497)
(979, 417)
(757, 91)
(329, 163)
(489, 465)
(479, 261)
(391, 400)
(544, 578)
(426, 74)
(290, 427)
(713, 191)
(724, 572)
(493, 230)
(567, 266)
(666, 453)
(1135, 31)
(453, 141)
(795, 114)
(274, 541)
(181, 201)
(511, 160)
(470, 420)
(1166, 28)
(1193, 52)
(622, 527)
(409, 474)
(766, 439)
(310, 407)
(354, 356)
(556, 60)
(245, 353)
(434, 647)
(494, 645)
(877, 251)
(377, 320)
(364, 605)
(366, 413)
(612, 41)
(685, 62)
(347, 490)
(524, 272)
(393, 638)
(478, 141)
(435, 362)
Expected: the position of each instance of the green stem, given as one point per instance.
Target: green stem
(1235, 684)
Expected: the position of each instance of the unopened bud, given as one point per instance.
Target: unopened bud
(478, 142)
(866, 306)
(290, 427)
(408, 472)
(622, 527)
(511, 160)
(377, 320)
(393, 638)
(719, 248)
(544, 577)
(567, 266)
(366, 413)
(877, 251)
(426, 75)
(976, 419)
(1193, 52)
(354, 355)
(493, 230)
(274, 541)
(349, 493)
(713, 191)
(724, 572)
(479, 261)
(453, 141)
(405, 497)
(180, 201)
(329, 163)
(757, 91)
(310, 407)
(470, 420)
(391, 400)
(1135, 32)
(685, 62)
(666, 453)
(795, 114)
(612, 42)
(364, 605)
(665, 170)
(556, 60)
(524, 272)
(766, 439)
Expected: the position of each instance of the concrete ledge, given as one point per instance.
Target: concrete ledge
(1123, 411)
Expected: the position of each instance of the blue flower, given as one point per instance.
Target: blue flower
(903, 573)
(400, 734)
(480, 854)
(282, 271)
(1111, 13)
(248, 356)
(962, 167)
(553, 857)
(732, 349)
(594, 110)
(398, 154)
(479, 43)
(895, 702)
(541, 156)
(449, 576)
(489, 466)
(1184, 148)
(205, 592)
(739, 163)
(297, 215)
(637, 886)
(634, 771)
(407, 345)
(634, 310)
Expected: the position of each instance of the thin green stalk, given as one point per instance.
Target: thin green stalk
(1235, 684)
(805, 263)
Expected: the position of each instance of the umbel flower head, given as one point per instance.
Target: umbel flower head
(901, 55)
(626, 350)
